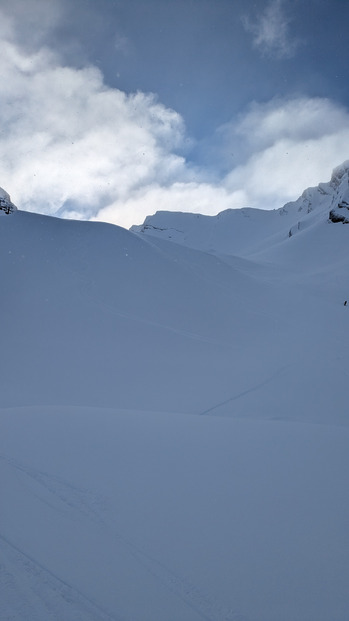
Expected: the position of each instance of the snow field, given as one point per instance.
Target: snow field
(174, 416)
(141, 515)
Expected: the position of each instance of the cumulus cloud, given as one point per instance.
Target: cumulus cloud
(72, 146)
(68, 140)
(30, 21)
(285, 146)
(289, 145)
(196, 197)
(271, 31)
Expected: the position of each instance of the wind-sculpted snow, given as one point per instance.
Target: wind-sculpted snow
(173, 420)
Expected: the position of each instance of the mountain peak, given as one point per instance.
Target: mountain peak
(339, 172)
(6, 205)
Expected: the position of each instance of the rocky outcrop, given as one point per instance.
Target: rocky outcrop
(6, 205)
(340, 213)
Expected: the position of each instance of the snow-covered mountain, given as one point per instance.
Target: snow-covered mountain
(174, 416)
(245, 232)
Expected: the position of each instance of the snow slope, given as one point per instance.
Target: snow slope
(244, 232)
(174, 422)
(129, 515)
(100, 316)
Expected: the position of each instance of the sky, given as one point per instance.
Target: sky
(113, 109)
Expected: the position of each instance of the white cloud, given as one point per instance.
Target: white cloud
(68, 138)
(30, 21)
(271, 32)
(290, 145)
(299, 119)
(72, 146)
(196, 197)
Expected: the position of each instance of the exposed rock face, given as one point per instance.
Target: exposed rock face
(6, 205)
(340, 213)
(340, 209)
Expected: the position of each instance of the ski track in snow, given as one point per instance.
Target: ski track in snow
(54, 594)
(245, 392)
(81, 500)
(34, 592)
(204, 606)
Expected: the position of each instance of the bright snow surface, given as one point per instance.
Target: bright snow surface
(174, 427)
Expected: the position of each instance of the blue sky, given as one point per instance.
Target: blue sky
(113, 109)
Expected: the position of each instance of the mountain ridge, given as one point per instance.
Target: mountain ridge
(247, 231)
